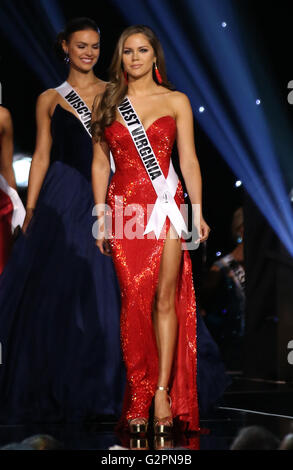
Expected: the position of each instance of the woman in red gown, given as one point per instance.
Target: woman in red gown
(159, 325)
(6, 178)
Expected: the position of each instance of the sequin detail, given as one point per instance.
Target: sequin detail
(137, 263)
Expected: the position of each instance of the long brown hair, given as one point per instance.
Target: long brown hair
(104, 113)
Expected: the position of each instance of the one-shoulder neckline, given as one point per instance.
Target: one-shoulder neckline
(68, 112)
(152, 124)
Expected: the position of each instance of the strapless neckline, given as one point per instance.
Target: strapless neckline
(153, 123)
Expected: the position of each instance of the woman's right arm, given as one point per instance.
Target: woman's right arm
(100, 178)
(41, 156)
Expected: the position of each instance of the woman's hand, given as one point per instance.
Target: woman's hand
(104, 246)
(204, 230)
(102, 242)
(27, 219)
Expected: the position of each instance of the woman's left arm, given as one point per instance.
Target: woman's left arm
(189, 164)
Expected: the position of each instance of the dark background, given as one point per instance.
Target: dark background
(268, 25)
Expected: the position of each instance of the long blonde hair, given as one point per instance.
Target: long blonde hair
(104, 113)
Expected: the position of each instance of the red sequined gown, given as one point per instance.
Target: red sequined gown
(137, 263)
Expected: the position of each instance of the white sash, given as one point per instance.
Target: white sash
(81, 109)
(165, 188)
(18, 208)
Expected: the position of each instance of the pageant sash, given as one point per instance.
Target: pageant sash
(18, 208)
(165, 188)
(81, 109)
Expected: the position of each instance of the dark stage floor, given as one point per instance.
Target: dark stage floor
(246, 402)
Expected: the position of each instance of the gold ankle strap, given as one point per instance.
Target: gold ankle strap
(163, 388)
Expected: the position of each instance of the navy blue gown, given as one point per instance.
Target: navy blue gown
(60, 301)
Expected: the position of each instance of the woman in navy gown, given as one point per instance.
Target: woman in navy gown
(59, 297)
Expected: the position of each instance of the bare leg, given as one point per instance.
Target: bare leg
(165, 319)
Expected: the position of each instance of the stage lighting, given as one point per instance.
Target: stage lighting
(201, 109)
(224, 24)
(238, 183)
(21, 166)
(218, 253)
(258, 102)
(34, 40)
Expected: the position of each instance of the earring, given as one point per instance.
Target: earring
(126, 77)
(158, 75)
(66, 58)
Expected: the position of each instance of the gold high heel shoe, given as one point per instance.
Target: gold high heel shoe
(139, 443)
(163, 425)
(138, 425)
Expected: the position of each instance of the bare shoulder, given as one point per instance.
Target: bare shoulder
(47, 97)
(47, 101)
(179, 100)
(5, 120)
(4, 114)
